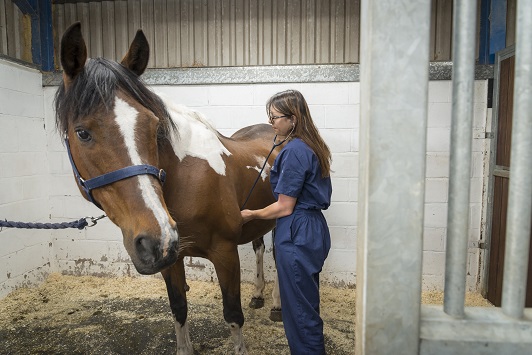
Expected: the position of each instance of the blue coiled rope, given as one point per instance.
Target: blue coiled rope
(79, 224)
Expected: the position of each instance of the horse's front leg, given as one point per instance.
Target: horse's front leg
(174, 277)
(227, 265)
(257, 299)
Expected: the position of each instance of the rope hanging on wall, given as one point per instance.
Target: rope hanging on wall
(79, 224)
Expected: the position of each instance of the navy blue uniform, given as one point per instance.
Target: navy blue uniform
(302, 242)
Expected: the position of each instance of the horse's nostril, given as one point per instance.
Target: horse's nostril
(146, 248)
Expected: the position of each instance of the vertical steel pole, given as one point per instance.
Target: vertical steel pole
(394, 90)
(520, 193)
(464, 27)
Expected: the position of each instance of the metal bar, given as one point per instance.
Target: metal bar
(520, 193)
(394, 91)
(460, 160)
(484, 331)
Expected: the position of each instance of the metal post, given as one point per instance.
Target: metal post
(460, 160)
(520, 193)
(394, 90)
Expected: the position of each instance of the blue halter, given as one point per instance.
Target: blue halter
(113, 176)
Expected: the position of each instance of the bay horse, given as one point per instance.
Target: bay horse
(124, 142)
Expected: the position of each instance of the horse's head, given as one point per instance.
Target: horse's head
(112, 121)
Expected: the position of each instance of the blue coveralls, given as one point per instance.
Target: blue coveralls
(302, 242)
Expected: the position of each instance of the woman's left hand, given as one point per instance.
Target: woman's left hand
(247, 215)
(284, 206)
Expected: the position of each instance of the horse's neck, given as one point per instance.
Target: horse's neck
(196, 137)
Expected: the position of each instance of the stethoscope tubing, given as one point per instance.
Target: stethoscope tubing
(275, 145)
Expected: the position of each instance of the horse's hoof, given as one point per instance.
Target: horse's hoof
(256, 303)
(276, 315)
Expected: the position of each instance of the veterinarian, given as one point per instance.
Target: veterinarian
(301, 183)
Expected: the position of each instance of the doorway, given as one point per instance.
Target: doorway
(500, 177)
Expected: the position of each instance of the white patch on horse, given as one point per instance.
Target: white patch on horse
(238, 339)
(260, 161)
(197, 137)
(126, 118)
(259, 276)
(184, 345)
(276, 294)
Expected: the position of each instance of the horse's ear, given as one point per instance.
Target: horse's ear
(136, 58)
(73, 51)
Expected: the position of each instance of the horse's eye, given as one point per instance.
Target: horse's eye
(83, 135)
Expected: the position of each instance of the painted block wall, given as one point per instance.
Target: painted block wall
(335, 108)
(24, 179)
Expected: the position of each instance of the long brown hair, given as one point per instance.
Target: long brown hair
(292, 102)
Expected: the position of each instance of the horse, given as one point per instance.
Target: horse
(163, 174)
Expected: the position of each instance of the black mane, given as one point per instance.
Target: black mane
(95, 89)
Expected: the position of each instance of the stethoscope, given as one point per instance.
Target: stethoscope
(275, 145)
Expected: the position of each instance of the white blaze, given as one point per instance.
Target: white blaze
(126, 118)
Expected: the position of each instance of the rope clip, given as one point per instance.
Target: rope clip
(92, 221)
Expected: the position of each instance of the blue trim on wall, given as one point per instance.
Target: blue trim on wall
(42, 41)
(492, 29)
(497, 28)
(26, 6)
(47, 35)
(484, 37)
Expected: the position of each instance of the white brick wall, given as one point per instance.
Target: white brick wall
(24, 184)
(437, 182)
(335, 108)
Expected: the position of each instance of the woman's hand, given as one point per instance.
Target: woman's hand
(247, 215)
(283, 207)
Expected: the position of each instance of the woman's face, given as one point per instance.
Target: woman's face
(282, 124)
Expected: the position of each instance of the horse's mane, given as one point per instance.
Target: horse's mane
(205, 121)
(95, 88)
(187, 111)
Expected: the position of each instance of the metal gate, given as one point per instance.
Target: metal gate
(394, 85)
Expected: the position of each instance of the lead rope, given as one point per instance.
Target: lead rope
(79, 224)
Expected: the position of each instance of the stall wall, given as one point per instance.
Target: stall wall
(36, 182)
(335, 108)
(24, 177)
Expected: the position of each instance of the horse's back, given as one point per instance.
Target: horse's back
(259, 131)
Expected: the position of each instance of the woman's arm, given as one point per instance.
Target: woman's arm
(283, 207)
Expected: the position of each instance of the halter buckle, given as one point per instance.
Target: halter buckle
(162, 176)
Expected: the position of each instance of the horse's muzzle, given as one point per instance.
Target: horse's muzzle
(150, 258)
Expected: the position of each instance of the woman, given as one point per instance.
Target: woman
(301, 183)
